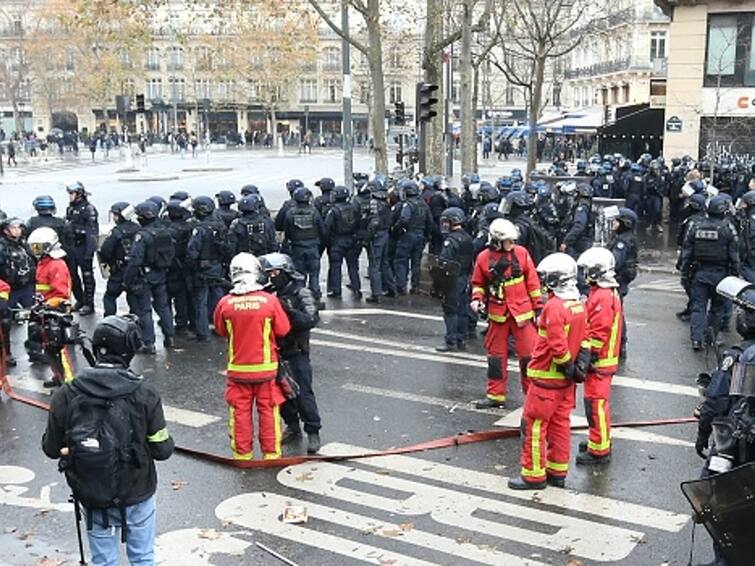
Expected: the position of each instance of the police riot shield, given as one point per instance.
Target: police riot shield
(443, 274)
(604, 211)
(725, 504)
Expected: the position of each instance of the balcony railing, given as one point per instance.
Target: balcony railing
(602, 68)
(152, 66)
(175, 66)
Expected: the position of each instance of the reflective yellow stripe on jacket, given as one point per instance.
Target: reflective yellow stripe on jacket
(611, 358)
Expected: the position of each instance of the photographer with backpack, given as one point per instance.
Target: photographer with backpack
(107, 428)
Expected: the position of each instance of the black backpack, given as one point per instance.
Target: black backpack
(99, 436)
(163, 249)
(540, 243)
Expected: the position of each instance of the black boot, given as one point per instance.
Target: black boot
(313, 442)
(519, 484)
(291, 434)
(556, 481)
(587, 459)
(489, 404)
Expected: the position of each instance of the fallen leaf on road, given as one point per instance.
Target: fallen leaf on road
(385, 562)
(500, 467)
(9, 530)
(574, 563)
(25, 535)
(406, 526)
(176, 485)
(45, 561)
(209, 534)
(308, 476)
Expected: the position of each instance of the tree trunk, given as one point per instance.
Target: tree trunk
(475, 103)
(378, 85)
(274, 124)
(534, 113)
(468, 134)
(434, 75)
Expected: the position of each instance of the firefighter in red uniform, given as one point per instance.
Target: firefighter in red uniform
(53, 284)
(252, 319)
(552, 377)
(4, 294)
(505, 280)
(599, 356)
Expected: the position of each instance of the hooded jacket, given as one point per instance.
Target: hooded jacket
(151, 440)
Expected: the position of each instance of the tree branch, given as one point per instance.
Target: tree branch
(338, 31)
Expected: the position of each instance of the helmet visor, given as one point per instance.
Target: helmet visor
(37, 248)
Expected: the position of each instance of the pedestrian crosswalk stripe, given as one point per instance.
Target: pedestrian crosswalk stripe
(565, 499)
(513, 419)
(185, 417)
(668, 285)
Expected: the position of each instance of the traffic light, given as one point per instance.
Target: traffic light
(426, 101)
(140, 103)
(400, 114)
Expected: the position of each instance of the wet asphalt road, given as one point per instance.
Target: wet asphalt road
(380, 384)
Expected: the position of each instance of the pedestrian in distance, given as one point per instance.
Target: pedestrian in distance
(108, 409)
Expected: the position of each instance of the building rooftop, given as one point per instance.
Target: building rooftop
(668, 5)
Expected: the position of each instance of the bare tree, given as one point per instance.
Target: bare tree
(14, 71)
(532, 34)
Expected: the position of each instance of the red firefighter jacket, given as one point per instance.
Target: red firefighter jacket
(4, 290)
(516, 294)
(560, 331)
(603, 334)
(251, 322)
(53, 281)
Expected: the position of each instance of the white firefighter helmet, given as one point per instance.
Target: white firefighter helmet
(500, 230)
(598, 265)
(44, 241)
(558, 272)
(246, 274)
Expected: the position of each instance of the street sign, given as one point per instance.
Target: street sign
(674, 124)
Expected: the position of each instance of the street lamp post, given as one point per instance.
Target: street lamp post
(348, 154)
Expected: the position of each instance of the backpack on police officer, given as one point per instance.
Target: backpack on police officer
(99, 436)
(163, 249)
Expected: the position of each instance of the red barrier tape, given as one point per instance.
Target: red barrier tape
(445, 442)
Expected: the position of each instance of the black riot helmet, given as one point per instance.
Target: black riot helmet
(44, 205)
(249, 190)
(292, 185)
(326, 184)
(452, 216)
(487, 193)
(121, 211)
(116, 339)
(203, 206)
(410, 188)
(584, 190)
(627, 219)
(302, 195)
(748, 199)
(516, 202)
(160, 202)
(696, 202)
(179, 195)
(178, 209)
(718, 205)
(340, 193)
(78, 189)
(225, 198)
(146, 212)
(250, 203)
(283, 264)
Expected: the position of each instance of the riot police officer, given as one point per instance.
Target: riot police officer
(303, 229)
(414, 224)
(635, 188)
(601, 186)
(710, 253)
(45, 217)
(280, 218)
(252, 232)
(113, 252)
(362, 201)
(17, 268)
(380, 269)
(247, 190)
(324, 201)
(438, 203)
(84, 226)
(301, 308)
(226, 199)
(655, 190)
(178, 278)
(694, 212)
(457, 251)
(580, 236)
(341, 226)
(623, 245)
(151, 255)
(205, 254)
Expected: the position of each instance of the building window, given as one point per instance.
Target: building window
(722, 45)
(364, 92)
(70, 60)
(24, 89)
(224, 90)
(177, 89)
(202, 58)
(253, 89)
(657, 45)
(455, 92)
(202, 88)
(125, 59)
(154, 89)
(18, 25)
(395, 57)
(331, 59)
(509, 94)
(175, 59)
(153, 59)
(332, 90)
(308, 90)
(129, 88)
(394, 94)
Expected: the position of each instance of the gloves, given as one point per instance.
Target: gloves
(584, 358)
(569, 370)
(701, 444)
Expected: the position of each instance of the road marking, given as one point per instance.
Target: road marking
(513, 419)
(462, 510)
(185, 417)
(197, 546)
(667, 285)
(471, 360)
(424, 399)
(491, 483)
(262, 512)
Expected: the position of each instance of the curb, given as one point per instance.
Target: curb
(205, 169)
(153, 178)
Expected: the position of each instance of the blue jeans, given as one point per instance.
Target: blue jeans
(140, 535)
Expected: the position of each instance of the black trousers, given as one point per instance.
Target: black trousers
(304, 407)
